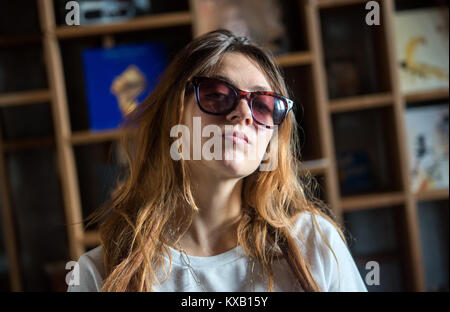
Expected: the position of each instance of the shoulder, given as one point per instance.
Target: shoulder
(89, 273)
(305, 223)
(314, 231)
(331, 262)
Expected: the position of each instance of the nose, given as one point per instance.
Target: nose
(242, 112)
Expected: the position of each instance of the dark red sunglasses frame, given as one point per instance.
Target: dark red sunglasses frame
(249, 96)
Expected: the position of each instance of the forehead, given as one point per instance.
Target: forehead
(243, 72)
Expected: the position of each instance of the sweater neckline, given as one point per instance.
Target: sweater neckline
(208, 261)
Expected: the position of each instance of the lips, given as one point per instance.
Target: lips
(237, 137)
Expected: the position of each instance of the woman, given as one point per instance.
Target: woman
(178, 222)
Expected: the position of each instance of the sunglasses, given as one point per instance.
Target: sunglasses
(218, 97)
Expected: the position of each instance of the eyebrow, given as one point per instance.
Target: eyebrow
(254, 88)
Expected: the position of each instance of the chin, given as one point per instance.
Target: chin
(236, 168)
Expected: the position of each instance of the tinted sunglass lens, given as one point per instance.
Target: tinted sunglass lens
(268, 110)
(216, 97)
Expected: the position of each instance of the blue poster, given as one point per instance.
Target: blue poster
(118, 79)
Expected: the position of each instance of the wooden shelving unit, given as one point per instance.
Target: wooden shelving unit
(323, 163)
(402, 198)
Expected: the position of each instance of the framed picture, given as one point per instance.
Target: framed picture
(422, 49)
(428, 133)
(260, 20)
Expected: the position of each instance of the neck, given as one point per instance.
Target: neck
(214, 228)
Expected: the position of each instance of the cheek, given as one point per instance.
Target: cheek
(187, 112)
(195, 120)
(263, 139)
(192, 110)
(206, 119)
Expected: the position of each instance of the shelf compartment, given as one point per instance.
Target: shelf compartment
(377, 235)
(282, 31)
(19, 19)
(98, 167)
(365, 144)
(299, 79)
(23, 70)
(434, 237)
(24, 97)
(438, 94)
(26, 125)
(361, 102)
(294, 59)
(370, 201)
(354, 53)
(38, 216)
(89, 137)
(139, 23)
(173, 39)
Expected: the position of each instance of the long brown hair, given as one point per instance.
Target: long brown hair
(152, 206)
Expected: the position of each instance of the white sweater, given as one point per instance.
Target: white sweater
(232, 272)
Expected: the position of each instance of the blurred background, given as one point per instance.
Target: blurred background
(371, 76)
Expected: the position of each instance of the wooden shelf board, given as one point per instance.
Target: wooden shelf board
(315, 167)
(294, 59)
(361, 102)
(91, 238)
(426, 95)
(368, 201)
(337, 3)
(88, 137)
(135, 24)
(24, 97)
(432, 195)
(28, 143)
